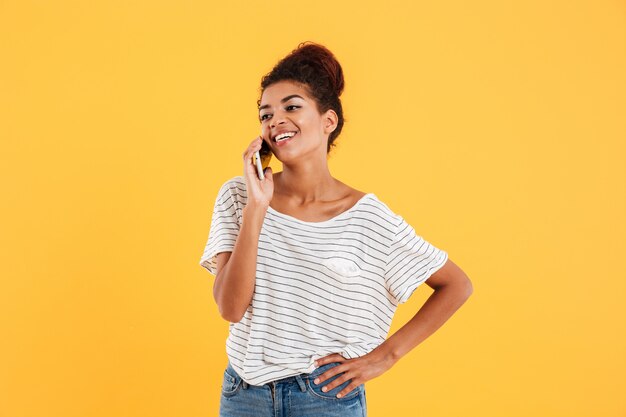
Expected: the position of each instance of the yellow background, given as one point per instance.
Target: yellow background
(495, 128)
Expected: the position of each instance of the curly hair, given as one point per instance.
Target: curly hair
(314, 66)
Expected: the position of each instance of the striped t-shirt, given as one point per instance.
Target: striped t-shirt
(321, 287)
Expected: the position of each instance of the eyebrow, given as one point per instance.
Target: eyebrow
(282, 101)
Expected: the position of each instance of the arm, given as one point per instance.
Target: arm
(452, 288)
(236, 271)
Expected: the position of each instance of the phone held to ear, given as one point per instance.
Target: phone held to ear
(262, 159)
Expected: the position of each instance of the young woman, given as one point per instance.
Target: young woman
(309, 271)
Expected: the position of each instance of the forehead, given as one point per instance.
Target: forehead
(281, 89)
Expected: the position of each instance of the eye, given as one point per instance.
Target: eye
(262, 117)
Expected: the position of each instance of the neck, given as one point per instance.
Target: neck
(305, 184)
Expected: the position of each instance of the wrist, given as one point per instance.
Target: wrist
(255, 212)
(385, 353)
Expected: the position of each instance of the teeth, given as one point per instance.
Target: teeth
(283, 136)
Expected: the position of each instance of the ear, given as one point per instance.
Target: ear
(330, 121)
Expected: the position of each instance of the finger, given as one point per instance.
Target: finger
(336, 382)
(334, 357)
(247, 156)
(328, 374)
(347, 390)
(250, 170)
(251, 149)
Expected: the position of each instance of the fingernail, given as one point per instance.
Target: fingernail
(324, 389)
(338, 395)
(317, 380)
(315, 363)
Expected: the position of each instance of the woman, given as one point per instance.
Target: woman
(309, 271)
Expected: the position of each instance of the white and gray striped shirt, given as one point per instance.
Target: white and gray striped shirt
(321, 287)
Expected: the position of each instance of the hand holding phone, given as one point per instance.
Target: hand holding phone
(261, 159)
(259, 189)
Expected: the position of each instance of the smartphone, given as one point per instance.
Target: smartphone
(262, 159)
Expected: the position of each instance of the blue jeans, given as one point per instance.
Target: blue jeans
(295, 396)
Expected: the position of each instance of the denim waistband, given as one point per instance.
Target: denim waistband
(297, 379)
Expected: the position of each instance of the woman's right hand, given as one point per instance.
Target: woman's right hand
(260, 192)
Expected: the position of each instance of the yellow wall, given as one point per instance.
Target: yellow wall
(496, 128)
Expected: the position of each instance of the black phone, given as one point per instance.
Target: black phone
(262, 159)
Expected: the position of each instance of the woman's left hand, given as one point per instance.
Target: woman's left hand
(359, 370)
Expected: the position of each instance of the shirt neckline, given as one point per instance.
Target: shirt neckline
(337, 217)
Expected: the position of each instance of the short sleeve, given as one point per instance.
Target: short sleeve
(411, 261)
(225, 226)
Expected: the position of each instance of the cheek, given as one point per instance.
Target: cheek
(307, 123)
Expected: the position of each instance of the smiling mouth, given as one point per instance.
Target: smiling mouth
(284, 138)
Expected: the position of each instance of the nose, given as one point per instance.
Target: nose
(278, 119)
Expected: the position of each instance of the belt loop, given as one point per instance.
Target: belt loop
(301, 383)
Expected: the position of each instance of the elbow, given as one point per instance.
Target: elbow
(227, 306)
(231, 316)
(469, 288)
(222, 305)
(228, 311)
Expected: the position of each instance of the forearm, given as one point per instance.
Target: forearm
(234, 285)
(437, 309)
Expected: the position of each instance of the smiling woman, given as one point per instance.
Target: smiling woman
(289, 110)
(310, 271)
(315, 68)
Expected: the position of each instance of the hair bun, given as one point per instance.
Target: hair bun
(329, 64)
(320, 58)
